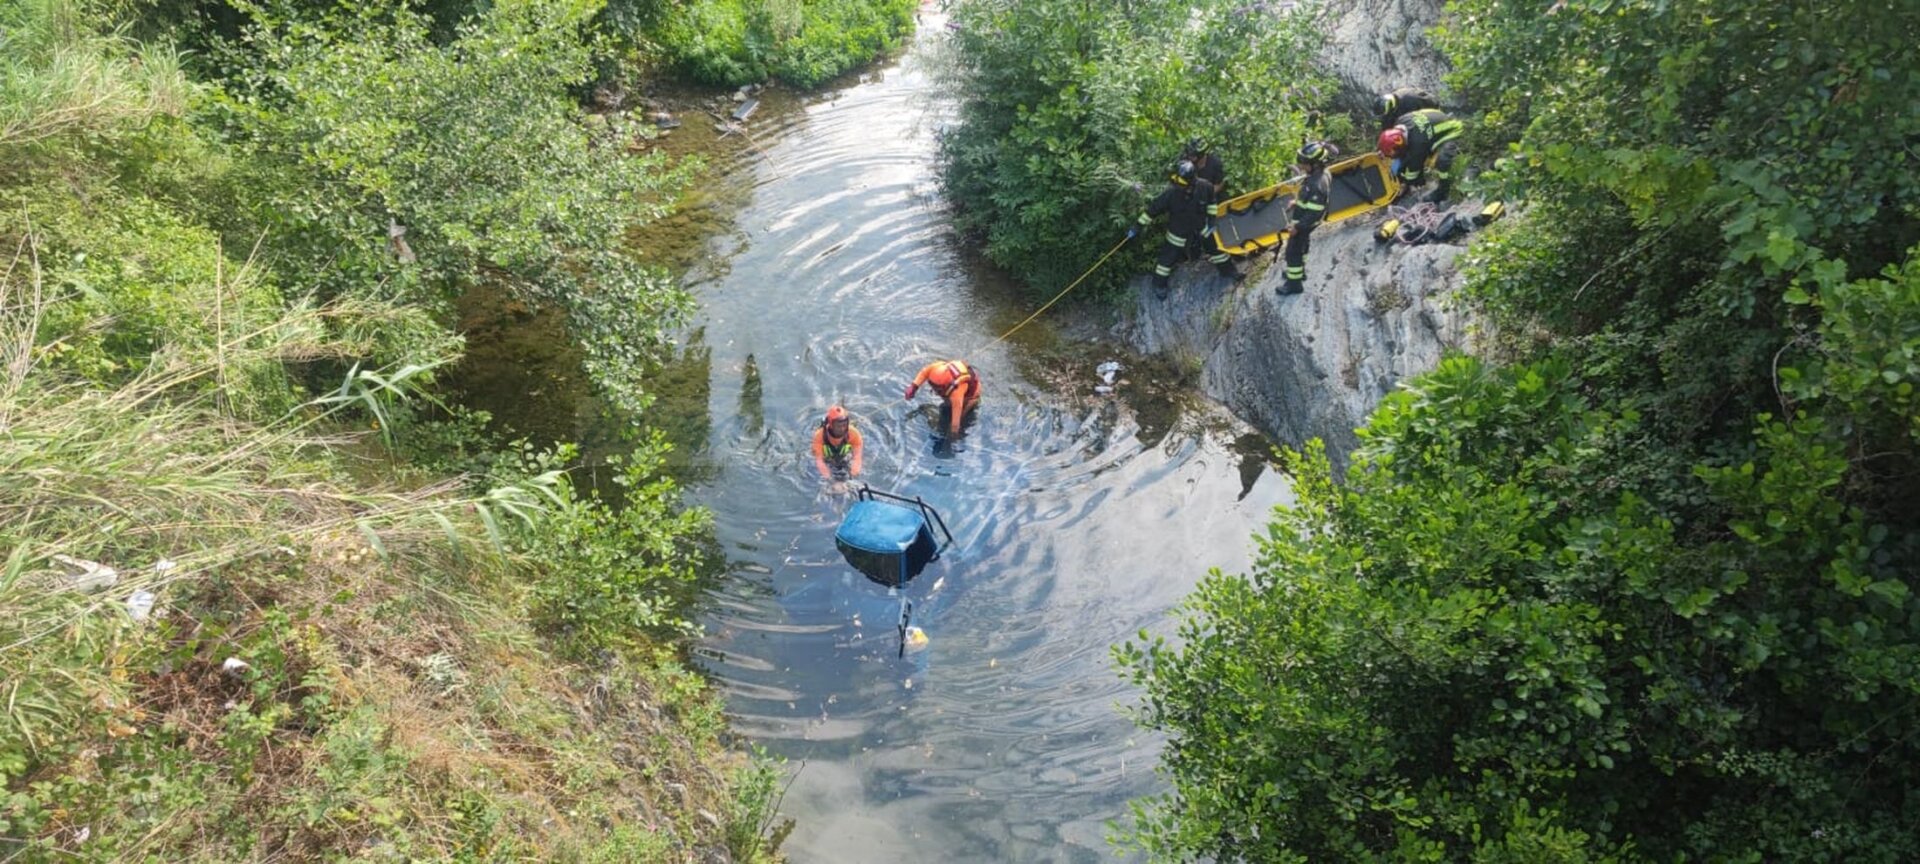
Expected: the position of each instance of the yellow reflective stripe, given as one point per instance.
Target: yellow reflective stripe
(1309, 205)
(1213, 209)
(1162, 270)
(1176, 240)
(1145, 219)
(1296, 273)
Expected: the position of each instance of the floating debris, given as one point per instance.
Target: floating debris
(1106, 371)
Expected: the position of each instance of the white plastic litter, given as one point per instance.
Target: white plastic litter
(140, 605)
(234, 666)
(87, 576)
(1106, 371)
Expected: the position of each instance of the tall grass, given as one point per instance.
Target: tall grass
(58, 76)
(236, 623)
(330, 662)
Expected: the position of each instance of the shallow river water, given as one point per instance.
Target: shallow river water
(1079, 519)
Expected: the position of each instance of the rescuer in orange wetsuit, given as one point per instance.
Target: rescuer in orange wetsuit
(956, 383)
(836, 446)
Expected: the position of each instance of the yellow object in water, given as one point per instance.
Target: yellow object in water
(916, 639)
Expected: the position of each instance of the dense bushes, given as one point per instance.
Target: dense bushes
(1648, 593)
(1494, 643)
(731, 42)
(1072, 112)
(350, 130)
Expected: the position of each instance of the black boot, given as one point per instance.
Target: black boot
(1160, 284)
(1231, 273)
(1291, 286)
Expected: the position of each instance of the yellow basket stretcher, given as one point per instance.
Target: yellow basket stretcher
(1255, 221)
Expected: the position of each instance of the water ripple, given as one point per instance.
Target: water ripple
(1074, 530)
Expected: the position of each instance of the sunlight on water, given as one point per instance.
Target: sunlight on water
(1079, 520)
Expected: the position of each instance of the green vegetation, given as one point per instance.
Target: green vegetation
(1645, 592)
(263, 595)
(1071, 114)
(732, 42)
(345, 131)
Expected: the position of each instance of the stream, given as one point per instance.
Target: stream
(1079, 519)
(825, 270)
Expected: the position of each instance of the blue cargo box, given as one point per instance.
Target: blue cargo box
(889, 539)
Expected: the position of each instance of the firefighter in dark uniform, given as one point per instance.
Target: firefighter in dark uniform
(1406, 100)
(1206, 164)
(1309, 207)
(1185, 202)
(1423, 143)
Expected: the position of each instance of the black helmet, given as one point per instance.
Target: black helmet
(1385, 104)
(1316, 153)
(1183, 170)
(1195, 146)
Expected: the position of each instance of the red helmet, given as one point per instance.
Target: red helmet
(836, 414)
(1392, 139)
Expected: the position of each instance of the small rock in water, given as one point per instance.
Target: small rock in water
(609, 95)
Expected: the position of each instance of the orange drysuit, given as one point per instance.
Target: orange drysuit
(955, 382)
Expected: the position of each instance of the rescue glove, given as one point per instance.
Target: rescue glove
(911, 390)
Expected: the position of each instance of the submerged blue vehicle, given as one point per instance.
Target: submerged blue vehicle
(889, 539)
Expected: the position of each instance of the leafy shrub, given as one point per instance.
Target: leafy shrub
(1487, 646)
(1718, 189)
(351, 131)
(829, 37)
(734, 42)
(1072, 112)
(612, 576)
(131, 276)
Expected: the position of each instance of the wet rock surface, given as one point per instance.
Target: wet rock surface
(1312, 364)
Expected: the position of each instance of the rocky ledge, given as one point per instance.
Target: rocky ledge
(1313, 364)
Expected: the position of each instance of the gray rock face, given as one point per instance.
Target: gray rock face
(1313, 364)
(1374, 46)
